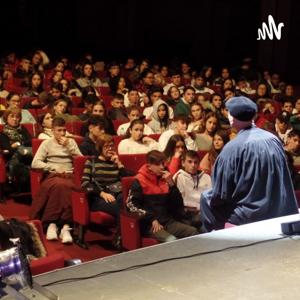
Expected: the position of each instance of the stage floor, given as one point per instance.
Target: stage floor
(264, 271)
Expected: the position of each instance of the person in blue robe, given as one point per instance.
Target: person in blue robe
(251, 180)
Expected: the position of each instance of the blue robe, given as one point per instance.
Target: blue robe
(250, 182)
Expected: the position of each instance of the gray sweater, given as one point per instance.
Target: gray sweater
(54, 157)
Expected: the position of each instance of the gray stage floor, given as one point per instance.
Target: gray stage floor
(264, 271)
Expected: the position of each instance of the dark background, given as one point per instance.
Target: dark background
(211, 32)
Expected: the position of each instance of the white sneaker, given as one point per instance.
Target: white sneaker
(65, 235)
(52, 232)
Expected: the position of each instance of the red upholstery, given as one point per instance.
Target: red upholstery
(117, 123)
(32, 128)
(103, 90)
(35, 145)
(107, 100)
(2, 177)
(130, 228)
(201, 153)
(82, 215)
(154, 136)
(53, 260)
(3, 101)
(25, 100)
(117, 139)
(74, 127)
(76, 101)
(33, 112)
(77, 110)
(41, 111)
(79, 139)
(35, 181)
(133, 162)
(2, 170)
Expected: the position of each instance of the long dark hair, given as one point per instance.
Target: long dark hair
(211, 115)
(165, 121)
(134, 122)
(40, 87)
(213, 153)
(171, 145)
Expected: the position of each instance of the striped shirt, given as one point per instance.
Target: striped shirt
(98, 178)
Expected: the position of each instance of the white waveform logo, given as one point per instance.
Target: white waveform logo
(269, 31)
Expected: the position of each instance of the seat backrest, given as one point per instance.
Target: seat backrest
(25, 100)
(155, 136)
(32, 128)
(74, 127)
(133, 162)
(117, 139)
(35, 145)
(76, 101)
(42, 111)
(3, 101)
(104, 90)
(107, 101)
(2, 170)
(78, 164)
(117, 123)
(126, 184)
(201, 153)
(76, 111)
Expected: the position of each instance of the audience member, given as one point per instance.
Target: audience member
(101, 179)
(13, 100)
(197, 118)
(173, 152)
(96, 130)
(160, 120)
(220, 139)
(184, 105)
(136, 142)
(118, 111)
(191, 183)
(133, 113)
(15, 144)
(52, 204)
(155, 197)
(204, 140)
(180, 125)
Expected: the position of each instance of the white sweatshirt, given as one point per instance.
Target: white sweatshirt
(191, 187)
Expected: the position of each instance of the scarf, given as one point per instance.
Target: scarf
(14, 133)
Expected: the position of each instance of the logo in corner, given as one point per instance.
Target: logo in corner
(270, 30)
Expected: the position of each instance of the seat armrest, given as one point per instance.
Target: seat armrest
(130, 230)
(80, 208)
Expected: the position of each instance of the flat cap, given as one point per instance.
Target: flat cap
(241, 108)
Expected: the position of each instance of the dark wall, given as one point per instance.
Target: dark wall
(214, 32)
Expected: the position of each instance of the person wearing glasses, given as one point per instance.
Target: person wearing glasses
(101, 180)
(13, 100)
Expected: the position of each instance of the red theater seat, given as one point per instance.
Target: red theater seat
(130, 225)
(54, 260)
(82, 216)
(133, 162)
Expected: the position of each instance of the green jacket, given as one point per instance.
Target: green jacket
(182, 109)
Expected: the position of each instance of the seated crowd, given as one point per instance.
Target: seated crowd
(176, 117)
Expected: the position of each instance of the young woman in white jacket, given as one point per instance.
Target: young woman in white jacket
(136, 142)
